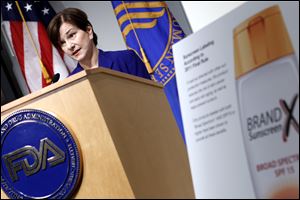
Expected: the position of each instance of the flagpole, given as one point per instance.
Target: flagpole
(147, 64)
(44, 70)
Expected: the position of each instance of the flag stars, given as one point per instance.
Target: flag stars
(8, 6)
(28, 7)
(45, 11)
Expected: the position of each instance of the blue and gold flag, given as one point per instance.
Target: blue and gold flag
(149, 29)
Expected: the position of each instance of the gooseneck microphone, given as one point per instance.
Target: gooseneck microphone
(55, 78)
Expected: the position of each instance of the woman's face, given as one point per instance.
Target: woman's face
(76, 42)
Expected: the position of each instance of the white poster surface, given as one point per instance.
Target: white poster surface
(238, 84)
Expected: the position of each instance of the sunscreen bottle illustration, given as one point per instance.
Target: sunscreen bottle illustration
(267, 77)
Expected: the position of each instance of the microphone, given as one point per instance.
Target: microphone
(55, 78)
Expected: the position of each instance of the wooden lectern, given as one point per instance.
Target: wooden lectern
(131, 146)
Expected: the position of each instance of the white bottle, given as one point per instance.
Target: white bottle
(267, 76)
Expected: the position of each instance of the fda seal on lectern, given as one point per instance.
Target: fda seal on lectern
(40, 158)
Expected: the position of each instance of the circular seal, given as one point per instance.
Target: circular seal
(39, 156)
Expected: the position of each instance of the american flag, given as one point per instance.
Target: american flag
(25, 23)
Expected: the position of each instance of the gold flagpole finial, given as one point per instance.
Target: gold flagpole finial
(44, 70)
(147, 64)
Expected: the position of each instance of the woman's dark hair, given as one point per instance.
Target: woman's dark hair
(73, 16)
